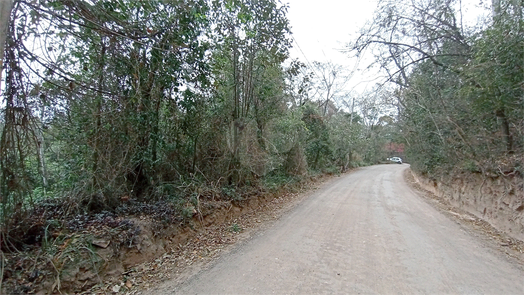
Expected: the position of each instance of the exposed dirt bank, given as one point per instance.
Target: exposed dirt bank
(493, 237)
(184, 254)
(213, 233)
(140, 245)
(497, 200)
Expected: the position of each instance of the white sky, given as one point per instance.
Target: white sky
(321, 28)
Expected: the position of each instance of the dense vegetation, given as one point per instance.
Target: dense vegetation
(110, 101)
(459, 91)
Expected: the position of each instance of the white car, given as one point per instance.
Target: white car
(396, 160)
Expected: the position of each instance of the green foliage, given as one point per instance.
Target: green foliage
(156, 100)
(277, 179)
(467, 113)
(251, 44)
(235, 228)
(230, 192)
(318, 149)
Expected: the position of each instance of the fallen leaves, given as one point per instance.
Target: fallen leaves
(112, 234)
(209, 242)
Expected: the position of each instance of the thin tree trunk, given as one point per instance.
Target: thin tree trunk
(352, 110)
(98, 115)
(195, 145)
(505, 129)
(5, 16)
(41, 149)
(235, 124)
(155, 134)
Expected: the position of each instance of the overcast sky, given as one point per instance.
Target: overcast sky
(322, 27)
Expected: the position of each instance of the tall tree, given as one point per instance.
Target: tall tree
(103, 76)
(406, 33)
(252, 43)
(330, 84)
(5, 15)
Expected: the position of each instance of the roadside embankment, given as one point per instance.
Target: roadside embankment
(142, 244)
(495, 199)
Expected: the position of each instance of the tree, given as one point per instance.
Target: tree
(251, 44)
(19, 135)
(299, 83)
(330, 84)
(133, 72)
(347, 140)
(406, 33)
(100, 83)
(458, 102)
(318, 148)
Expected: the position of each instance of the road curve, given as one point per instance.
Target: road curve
(366, 232)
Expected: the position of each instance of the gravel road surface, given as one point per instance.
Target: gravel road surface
(366, 232)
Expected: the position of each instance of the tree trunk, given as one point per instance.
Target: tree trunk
(236, 121)
(155, 130)
(98, 116)
(5, 16)
(505, 129)
(41, 148)
(495, 9)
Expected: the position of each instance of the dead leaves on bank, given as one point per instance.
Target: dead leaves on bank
(85, 254)
(183, 260)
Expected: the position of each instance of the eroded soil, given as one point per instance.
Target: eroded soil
(476, 226)
(138, 245)
(213, 236)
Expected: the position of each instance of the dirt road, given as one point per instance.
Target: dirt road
(366, 232)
